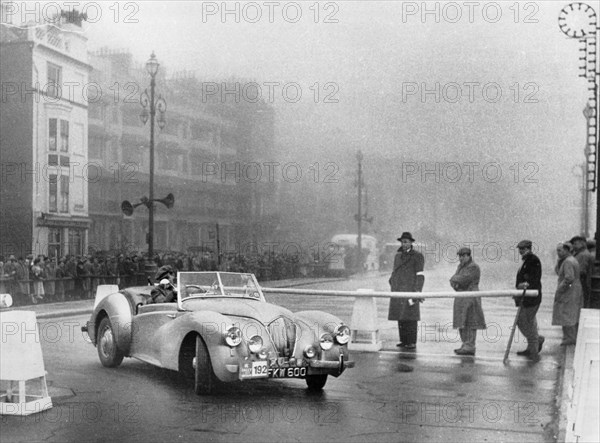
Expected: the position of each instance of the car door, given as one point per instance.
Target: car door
(148, 328)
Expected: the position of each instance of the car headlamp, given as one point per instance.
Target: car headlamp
(342, 334)
(255, 344)
(262, 354)
(326, 341)
(233, 336)
(310, 351)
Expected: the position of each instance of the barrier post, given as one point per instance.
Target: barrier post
(364, 320)
(23, 388)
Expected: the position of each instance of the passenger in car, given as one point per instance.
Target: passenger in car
(164, 292)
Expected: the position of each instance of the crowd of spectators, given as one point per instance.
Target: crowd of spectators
(41, 279)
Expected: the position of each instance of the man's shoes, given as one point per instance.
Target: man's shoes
(541, 341)
(410, 346)
(400, 345)
(463, 352)
(524, 353)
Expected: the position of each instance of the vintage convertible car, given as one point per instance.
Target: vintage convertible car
(220, 328)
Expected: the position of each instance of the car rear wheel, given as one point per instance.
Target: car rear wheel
(316, 382)
(109, 353)
(204, 377)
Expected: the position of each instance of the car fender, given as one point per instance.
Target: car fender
(319, 322)
(210, 326)
(118, 309)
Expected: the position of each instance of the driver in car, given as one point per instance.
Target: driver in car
(164, 292)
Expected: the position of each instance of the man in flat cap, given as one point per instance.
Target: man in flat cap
(164, 292)
(467, 313)
(586, 267)
(407, 276)
(529, 276)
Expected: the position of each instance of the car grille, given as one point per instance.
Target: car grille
(283, 334)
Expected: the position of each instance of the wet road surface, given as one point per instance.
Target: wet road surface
(427, 395)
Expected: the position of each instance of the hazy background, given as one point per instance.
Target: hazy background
(368, 57)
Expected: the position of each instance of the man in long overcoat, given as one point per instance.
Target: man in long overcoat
(586, 267)
(407, 276)
(467, 314)
(529, 276)
(568, 299)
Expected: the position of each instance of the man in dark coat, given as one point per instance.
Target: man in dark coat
(407, 276)
(529, 276)
(586, 267)
(467, 313)
(165, 291)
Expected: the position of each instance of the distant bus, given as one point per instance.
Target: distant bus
(342, 255)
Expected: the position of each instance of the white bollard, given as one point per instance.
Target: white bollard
(364, 320)
(23, 388)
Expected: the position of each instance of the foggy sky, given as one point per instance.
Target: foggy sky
(372, 57)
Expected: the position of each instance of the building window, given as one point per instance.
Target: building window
(55, 138)
(53, 182)
(54, 80)
(54, 249)
(52, 134)
(75, 242)
(64, 193)
(64, 136)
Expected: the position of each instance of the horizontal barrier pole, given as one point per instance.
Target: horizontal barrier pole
(386, 294)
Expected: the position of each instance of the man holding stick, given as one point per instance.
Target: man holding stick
(529, 276)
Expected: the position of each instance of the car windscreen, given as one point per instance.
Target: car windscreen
(217, 284)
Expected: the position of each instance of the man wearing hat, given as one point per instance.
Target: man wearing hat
(586, 267)
(164, 292)
(467, 313)
(407, 276)
(529, 276)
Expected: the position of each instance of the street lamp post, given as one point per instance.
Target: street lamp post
(150, 105)
(359, 217)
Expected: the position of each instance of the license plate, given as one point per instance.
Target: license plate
(255, 369)
(287, 373)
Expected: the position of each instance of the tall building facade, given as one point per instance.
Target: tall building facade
(207, 156)
(44, 137)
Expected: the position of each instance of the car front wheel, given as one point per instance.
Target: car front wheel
(109, 353)
(316, 382)
(204, 377)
